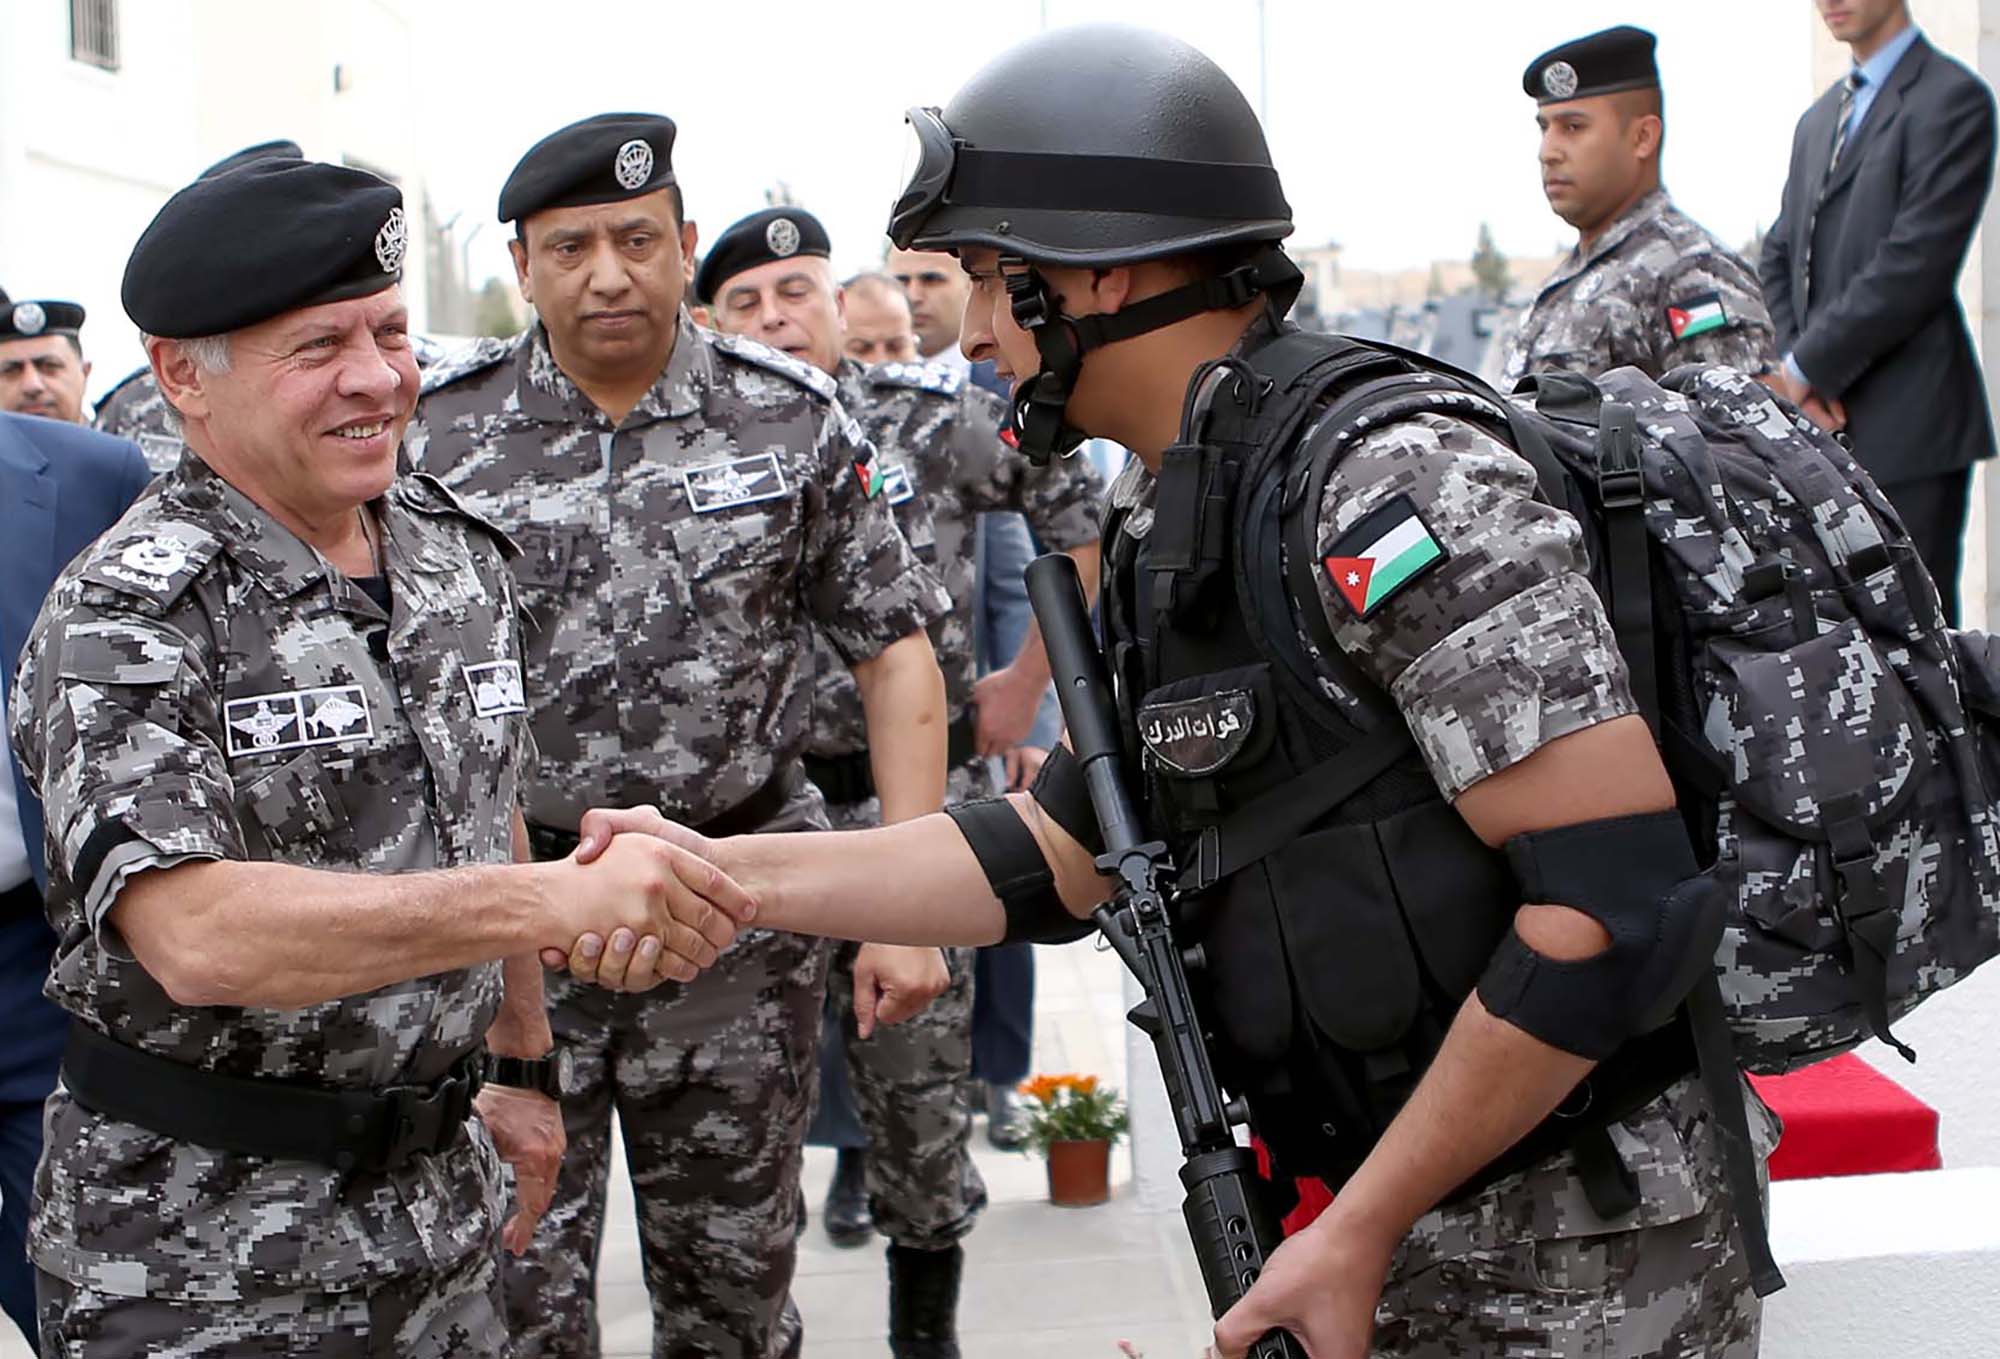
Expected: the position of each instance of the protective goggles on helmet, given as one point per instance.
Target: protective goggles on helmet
(945, 171)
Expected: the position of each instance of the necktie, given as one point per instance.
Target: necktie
(1849, 87)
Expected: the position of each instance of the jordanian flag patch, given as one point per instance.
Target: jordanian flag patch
(1697, 315)
(868, 470)
(1390, 548)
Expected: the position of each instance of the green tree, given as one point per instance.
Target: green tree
(1489, 267)
(495, 313)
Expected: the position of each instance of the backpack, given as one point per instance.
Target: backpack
(1834, 746)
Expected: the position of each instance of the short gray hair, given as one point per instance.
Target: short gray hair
(210, 353)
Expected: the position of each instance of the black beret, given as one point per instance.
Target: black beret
(26, 320)
(1617, 59)
(599, 160)
(773, 234)
(250, 155)
(269, 238)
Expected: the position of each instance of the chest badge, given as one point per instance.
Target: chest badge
(496, 688)
(302, 717)
(1198, 735)
(896, 487)
(740, 481)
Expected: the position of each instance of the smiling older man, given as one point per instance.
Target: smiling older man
(276, 719)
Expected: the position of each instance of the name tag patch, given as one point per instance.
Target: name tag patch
(739, 481)
(1198, 735)
(896, 487)
(496, 688)
(303, 717)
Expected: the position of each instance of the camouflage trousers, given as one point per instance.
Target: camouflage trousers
(908, 1080)
(1525, 1267)
(421, 1316)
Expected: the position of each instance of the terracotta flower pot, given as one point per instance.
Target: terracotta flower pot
(1079, 1173)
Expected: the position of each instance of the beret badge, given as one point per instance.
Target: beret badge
(1559, 80)
(633, 164)
(391, 242)
(29, 318)
(783, 237)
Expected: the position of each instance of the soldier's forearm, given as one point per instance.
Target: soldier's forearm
(521, 1029)
(902, 698)
(277, 936)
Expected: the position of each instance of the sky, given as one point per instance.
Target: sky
(1397, 127)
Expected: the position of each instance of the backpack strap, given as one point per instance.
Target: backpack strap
(1715, 1059)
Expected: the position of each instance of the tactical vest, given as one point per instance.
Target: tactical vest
(1338, 909)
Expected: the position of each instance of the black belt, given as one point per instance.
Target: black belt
(847, 779)
(372, 1129)
(749, 815)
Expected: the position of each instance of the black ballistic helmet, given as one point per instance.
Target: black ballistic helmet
(1092, 147)
(1096, 145)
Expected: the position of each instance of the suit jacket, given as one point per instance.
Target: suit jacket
(1860, 271)
(60, 487)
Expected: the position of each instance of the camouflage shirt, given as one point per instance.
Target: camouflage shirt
(1654, 291)
(136, 410)
(676, 564)
(938, 436)
(203, 685)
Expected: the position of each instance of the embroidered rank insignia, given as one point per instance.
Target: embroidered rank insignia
(496, 688)
(740, 481)
(1697, 315)
(1388, 549)
(302, 717)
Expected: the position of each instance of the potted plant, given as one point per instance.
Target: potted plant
(1073, 1121)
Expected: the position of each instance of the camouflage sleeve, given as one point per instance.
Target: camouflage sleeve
(865, 586)
(117, 728)
(1063, 502)
(1462, 596)
(1714, 313)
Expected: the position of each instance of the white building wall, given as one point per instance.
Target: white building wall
(88, 156)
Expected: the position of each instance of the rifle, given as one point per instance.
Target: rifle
(1233, 1227)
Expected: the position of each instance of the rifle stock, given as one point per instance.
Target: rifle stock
(1227, 1215)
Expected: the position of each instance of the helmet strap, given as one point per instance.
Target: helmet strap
(1062, 341)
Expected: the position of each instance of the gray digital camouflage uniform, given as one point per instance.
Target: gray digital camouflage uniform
(1656, 290)
(202, 685)
(1497, 650)
(938, 436)
(136, 410)
(675, 568)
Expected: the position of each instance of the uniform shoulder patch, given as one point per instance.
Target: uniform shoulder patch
(1389, 549)
(941, 378)
(463, 362)
(150, 559)
(763, 356)
(1697, 315)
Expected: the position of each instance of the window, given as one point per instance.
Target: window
(93, 32)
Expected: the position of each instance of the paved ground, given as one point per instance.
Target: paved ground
(1040, 1280)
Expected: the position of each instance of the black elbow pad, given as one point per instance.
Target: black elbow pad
(1017, 872)
(1636, 876)
(1061, 793)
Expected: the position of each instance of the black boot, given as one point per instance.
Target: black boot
(848, 1221)
(1006, 1121)
(923, 1302)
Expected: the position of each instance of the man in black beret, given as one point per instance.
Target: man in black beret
(275, 719)
(134, 409)
(42, 368)
(692, 507)
(1646, 285)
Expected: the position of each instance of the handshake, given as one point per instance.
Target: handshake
(642, 901)
(639, 902)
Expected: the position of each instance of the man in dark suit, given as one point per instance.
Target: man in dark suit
(1890, 172)
(61, 485)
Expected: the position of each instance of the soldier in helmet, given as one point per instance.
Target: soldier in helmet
(1446, 912)
(938, 435)
(1646, 285)
(691, 507)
